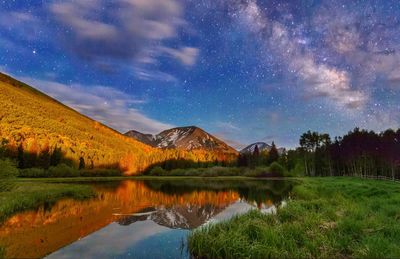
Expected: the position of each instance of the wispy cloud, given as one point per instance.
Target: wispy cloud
(135, 31)
(105, 104)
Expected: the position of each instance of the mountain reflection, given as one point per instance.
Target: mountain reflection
(177, 204)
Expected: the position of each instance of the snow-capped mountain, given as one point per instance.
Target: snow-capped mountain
(178, 216)
(262, 146)
(188, 138)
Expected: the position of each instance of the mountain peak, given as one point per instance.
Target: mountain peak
(187, 138)
(262, 146)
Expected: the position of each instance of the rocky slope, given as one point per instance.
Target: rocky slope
(186, 138)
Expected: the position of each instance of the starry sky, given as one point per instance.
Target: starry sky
(243, 70)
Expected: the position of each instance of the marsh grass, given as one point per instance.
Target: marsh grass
(328, 218)
(31, 195)
(274, 170)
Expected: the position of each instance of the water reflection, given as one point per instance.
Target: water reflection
(142, 219)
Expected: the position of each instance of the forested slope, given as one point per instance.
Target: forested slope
(36, 125)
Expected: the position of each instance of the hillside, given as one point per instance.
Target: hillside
(147, 139)
(183, 138)
(38, 124)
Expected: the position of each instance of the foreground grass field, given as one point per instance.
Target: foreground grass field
(27, 195)
(327, 218)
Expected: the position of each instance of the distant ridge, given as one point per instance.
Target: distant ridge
(144, 138)
(186, 138)
(262, 146)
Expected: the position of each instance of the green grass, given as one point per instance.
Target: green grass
(27, 195)
(274, 170)
(328, 218)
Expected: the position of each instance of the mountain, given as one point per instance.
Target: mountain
(187, 216)
(38, 125)
(184, 138)
(147, 139)
(262, 146)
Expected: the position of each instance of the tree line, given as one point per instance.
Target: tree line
(258, 158)
(357, 153)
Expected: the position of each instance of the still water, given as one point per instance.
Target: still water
(138, 219)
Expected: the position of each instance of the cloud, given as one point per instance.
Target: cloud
(105, 104)
(186, 55)
(227, 126)
(131, 30)
(23, 25)
(329, 82)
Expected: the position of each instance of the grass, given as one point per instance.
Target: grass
(27, 195)
(328, 218)
(274, 170)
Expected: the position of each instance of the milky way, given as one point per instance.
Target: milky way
(245, 71)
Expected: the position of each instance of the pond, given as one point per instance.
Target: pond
(136, 218)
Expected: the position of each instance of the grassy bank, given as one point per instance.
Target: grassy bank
(26, 195)
(328, 217)
(274, 170)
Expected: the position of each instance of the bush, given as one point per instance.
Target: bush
(157, 171)
(256, 172)
(276, 169)
(33, 172)
(176, 172)
(100, 173)
(62, 170)
(8, 169)
(298, 170)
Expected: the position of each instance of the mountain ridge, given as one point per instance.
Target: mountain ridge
(262, 146)
(185, 137)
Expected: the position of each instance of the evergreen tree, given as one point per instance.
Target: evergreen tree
(20, 156)
(273, 155)
(255, 157)
(56, 156)
(256, 151)
(43, 160)
(3, 147)
(81, 163)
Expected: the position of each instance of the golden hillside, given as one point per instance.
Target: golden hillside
(39, 122)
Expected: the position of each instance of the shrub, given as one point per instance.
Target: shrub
(176, 172)
(8, 169)
(100, 172)
(298, 170)
(62, 170)
(157, 171)
(276, 169)
(33, 172)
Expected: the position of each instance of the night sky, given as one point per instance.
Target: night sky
(244, 71)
